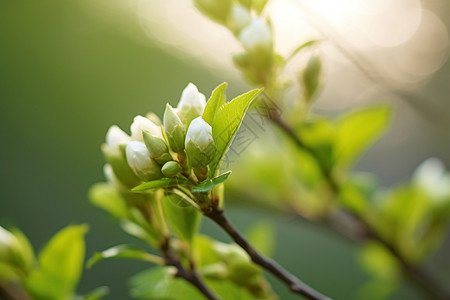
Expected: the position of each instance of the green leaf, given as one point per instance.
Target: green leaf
(215, 102)
(184, 219)
(158, 184)
(226, 124)
(160, 283)
(300, 48)
(311, 78)
(379, 262)
(105, 196)
(124, 251)
(262, 236)
(208, 185)
(97, 294)
(358, 130)
(60, 265)
(258, 5)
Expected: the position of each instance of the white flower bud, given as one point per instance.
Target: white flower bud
(139, 160)
(200, 133)
(7, 241)
(114, 138)
(239, 18)
(191, 97)
(140, 124)
(256, 35)
(431, 176)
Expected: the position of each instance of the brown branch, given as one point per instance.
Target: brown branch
(217, 215)
(191, 276)
(425, 281)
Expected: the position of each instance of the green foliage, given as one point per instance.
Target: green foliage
(105, 196)
(123, 251)
(358, 130)
(208, 185)
(183, 219)
(60, 265)
(215, 102)
(227, 121)
(158, 184)
(310, 77)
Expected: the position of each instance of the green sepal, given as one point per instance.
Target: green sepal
(198, 157)
(176, 138)
(157, 148)
(120, 167)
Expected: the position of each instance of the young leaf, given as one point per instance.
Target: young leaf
(208, 185)
(358, 130)
(105, 196)
(96, 294)
(183, 218)
(158, 184)
(226, 124)
(124, 251)
(61, 263)
(311, 78)
(215, 102)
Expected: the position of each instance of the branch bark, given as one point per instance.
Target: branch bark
(191, 275)
(217, 215)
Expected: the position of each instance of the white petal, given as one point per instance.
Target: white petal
(256, 34)
(240, 16)
(138, 157)
(191, 97)
(199, 132)
(115, 137)
(140, 124)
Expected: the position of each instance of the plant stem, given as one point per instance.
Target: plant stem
(191, 276)
(295, 285)
(422, 279)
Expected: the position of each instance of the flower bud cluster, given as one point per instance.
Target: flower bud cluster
(243, 18)
(156, 149)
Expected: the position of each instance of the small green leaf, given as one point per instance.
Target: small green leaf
(262, 236)
(358, 130)
(124, 251)
(258, 5)
(97, 294)
(158, 184)
(183, 218)
(300, 48)
(208, 185)
(311, 78)
(105, 196)
(60, 265)
(226, 124)
(215, 102)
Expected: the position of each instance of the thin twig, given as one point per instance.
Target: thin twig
(217, 215)
(191, 276)
(420, 276)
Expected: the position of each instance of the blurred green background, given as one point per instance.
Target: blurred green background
(69, 70)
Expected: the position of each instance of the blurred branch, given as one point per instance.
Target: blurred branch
(217, 215)
(191, 276)
(417, 275)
